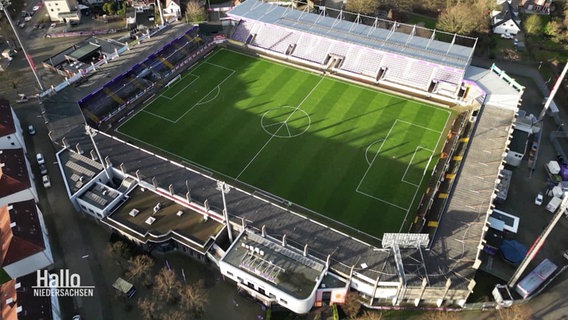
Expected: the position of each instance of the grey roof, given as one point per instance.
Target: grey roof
(416, 42)
(460, 231)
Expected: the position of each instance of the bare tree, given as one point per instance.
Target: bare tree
(515, 312)
(442, 315)
(362, 6)
(148, 307)
(139, 267)
(194, 298)
(166, 284)
(175, 315)
(371, 315)
(194, 12)
(352, 305)
(465, 18)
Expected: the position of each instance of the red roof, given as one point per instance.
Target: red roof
(25, 228)
(6, 120)
(14, 176)
(9, 310)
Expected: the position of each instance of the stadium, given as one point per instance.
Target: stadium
(318, 152)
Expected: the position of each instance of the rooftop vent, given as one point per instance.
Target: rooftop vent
(134, 212)
(157, 207)
(179, 213)
(150, 220)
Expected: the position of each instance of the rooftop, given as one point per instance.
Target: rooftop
(22, 221)
(139, 218)
(78, 169)
(14, 175)
(385, 35)
(460, 231)
(99, 195)
(266, 258)
(33, 307)
(6, 118)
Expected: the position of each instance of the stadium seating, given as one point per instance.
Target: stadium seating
(409, 72)
(360, 60)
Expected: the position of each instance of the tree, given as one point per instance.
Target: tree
(194, 298)
(555, 30)
(362, 6)
(175, 315)
(166, 284)
(466, 18)
(372, 315)
(442, 315)
(109, 8)
(515, 312)
(148, 307)
(194, 12)
(352, 305)
(533, 25)
(458, 19)
(121, 249)
(139, 267)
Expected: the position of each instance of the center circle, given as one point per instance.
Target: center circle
(285, 122)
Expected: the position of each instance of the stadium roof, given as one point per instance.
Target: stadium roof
(385, 35)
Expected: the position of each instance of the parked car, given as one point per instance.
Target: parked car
(46, 181)
(42, 169)
(31, 130)
(539, 199)
(506, 36)
(40, 159)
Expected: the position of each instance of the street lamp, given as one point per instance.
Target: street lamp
(4, 7)
(224, 188)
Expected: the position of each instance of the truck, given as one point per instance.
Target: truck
(535, 278)
(553, 204)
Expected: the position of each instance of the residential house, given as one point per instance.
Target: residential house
(63, 10)
(172, 10)
(20, 303)
(506, 21)
(542, 6)
(11, 136)
(25, 246)
(16, 179)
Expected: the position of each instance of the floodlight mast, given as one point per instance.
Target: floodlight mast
(553, 93)
(539, 242)
(4, 7)
(224, 188)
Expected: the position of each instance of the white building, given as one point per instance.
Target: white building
(172, 10)
(11, 136)
(274, 272)
(63, 10)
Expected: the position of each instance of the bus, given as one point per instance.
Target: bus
(535, 278)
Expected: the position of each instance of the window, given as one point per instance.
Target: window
(240, 279)
(283, 301)
(230, 273)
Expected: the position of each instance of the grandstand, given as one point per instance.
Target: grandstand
(410, 58)
(123, 91)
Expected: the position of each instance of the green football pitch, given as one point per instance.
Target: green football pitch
(353, 154)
